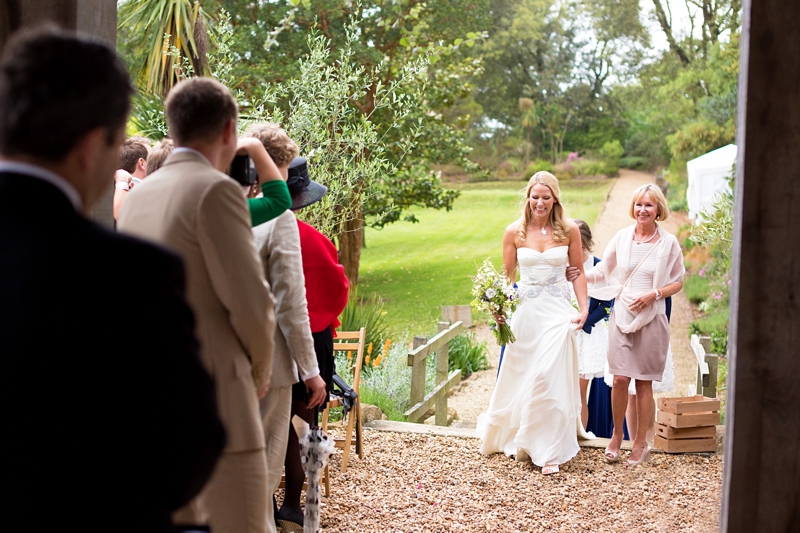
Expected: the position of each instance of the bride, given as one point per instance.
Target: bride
(536, 403)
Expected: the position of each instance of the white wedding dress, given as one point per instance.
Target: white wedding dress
(535, 406)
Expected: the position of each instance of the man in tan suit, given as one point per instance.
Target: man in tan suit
(191, 206)
(278, 242)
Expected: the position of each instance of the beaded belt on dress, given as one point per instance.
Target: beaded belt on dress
(555, 286)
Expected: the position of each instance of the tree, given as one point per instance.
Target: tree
(531, 116)
(173, 36)
(270, 40)
(388, 36)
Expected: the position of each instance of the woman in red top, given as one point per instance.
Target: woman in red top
(326, 294)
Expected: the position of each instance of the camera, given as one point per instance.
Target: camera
(243, 170)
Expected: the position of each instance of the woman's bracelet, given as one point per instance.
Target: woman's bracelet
(658, 294)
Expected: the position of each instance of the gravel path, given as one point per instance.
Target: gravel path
(415, 483)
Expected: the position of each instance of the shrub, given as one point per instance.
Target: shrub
(635, 163)
(537, 165)
(388, 384)
(505, 169)
(697, 138)
(593, 167)
(697, 287)
(715, 325)
(612, 151)
(467, 354)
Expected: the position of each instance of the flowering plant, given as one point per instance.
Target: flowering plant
(495, 295)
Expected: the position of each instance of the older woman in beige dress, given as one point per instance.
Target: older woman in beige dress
(641, 266)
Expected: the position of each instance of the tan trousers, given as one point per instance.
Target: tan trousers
(235, 498)
(276, 409)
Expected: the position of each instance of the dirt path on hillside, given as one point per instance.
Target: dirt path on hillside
(472, 397)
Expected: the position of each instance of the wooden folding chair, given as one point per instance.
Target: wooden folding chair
(354, 418)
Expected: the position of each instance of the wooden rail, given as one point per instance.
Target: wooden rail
(445, 381)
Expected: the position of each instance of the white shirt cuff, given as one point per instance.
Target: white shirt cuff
(313, 374)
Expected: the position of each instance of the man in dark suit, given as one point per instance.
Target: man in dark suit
(109, 420)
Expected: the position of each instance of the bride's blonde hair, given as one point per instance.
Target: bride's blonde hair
(557, 219)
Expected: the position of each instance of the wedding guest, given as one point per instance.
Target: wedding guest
(278, 242)
(326, 292)
(535, 408)
(592, 341)
(103, 429)
(641, 266)
(274, 198)
(193, 207)
(132, 169)
(159, 154)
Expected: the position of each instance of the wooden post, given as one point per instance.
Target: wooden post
(442, 366)
(418, 375)
(710, 388)
(761, 487)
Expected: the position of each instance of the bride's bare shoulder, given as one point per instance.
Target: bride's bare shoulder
(514, 227)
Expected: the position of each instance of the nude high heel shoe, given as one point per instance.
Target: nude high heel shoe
(643, 459)
(611, 457)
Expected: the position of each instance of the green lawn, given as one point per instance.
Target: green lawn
(416, 268)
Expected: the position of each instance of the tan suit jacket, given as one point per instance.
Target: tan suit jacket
(278, 242)
(202, 214)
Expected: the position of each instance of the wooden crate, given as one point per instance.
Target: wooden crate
(688, 404)
(670, 433)
(688, 420)
(686, 445)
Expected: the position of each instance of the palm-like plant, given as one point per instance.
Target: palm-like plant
(174, 34)
(532, 115)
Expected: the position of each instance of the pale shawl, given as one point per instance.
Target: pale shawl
(605, 280)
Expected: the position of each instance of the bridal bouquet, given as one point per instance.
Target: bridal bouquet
(495, 295)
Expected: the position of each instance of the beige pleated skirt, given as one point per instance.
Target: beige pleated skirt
(640, 355)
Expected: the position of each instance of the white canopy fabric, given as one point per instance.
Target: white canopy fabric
(707, 178)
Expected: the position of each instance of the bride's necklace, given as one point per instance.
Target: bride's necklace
(637, 241)
(543, 231)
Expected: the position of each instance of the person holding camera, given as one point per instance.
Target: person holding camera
(278, 241)
(193, 207)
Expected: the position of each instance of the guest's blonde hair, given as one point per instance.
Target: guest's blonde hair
(159, 154)
(656, 195)
(557, 219)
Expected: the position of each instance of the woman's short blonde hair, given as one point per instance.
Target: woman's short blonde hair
(656, 195)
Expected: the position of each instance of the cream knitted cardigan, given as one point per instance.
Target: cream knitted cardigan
(606, 279)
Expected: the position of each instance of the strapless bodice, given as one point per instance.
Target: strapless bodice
(543, 271)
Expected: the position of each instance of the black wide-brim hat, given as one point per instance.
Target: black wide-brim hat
(303, 189)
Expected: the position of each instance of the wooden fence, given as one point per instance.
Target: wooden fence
(421, 403)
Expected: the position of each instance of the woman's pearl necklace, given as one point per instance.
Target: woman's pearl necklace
(637, 241)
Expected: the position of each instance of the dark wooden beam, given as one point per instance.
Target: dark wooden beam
(762, 447)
